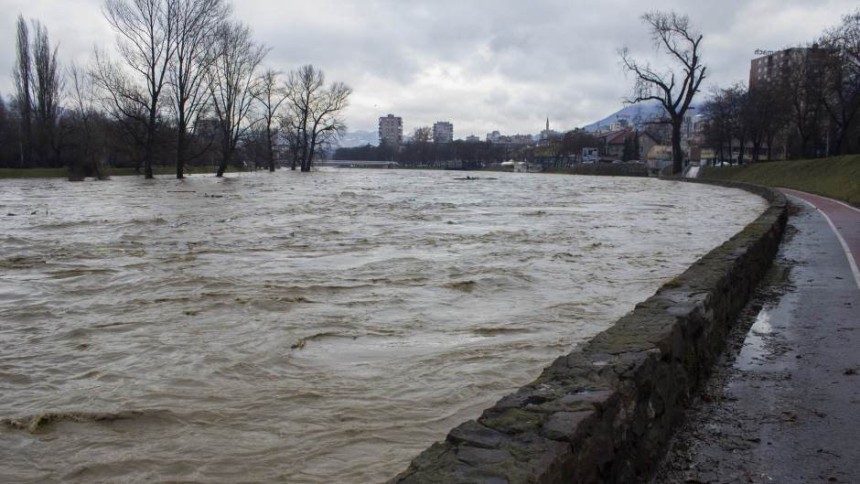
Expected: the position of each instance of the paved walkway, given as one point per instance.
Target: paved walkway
(784, 406)
(843, 219)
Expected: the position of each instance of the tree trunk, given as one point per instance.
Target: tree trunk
(677, 154)
(150, 146)
(147, 159)
(226, 155)
(842, 142)
(309, 156)
(270, 146)
(180, 153)
(804, 141)
(741, 152)
(225, 160)
(296, 152)
(770, 147)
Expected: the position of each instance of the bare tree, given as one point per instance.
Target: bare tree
(6, 136)
(303, 86)
(39, 84)
(674, 90)
(289, 133)
(146, 33)
(23, 84)
(423, 134)
(231, 79)
(315, 111)
(326, 123)
(737, 100)
(842, 78)
(421, 140)
(196, 23)
(801, 87)
(270, 95)
(84, 114)
(48, 89)
(720, 122)
(124, 101)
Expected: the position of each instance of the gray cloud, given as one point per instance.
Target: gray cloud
(483, 65)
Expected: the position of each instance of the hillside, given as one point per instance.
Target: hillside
(352, 139)
(635, 114)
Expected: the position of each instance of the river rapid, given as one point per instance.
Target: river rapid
(313, 328)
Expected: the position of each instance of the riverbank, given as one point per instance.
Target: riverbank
(837, 177)
(780, 405)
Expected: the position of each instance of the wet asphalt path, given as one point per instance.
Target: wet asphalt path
(783, 405)
(843, 219)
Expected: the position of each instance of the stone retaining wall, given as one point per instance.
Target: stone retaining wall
(605, 412)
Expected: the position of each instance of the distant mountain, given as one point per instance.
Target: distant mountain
(635, 114)
(358, 138)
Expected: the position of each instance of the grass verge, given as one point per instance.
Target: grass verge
(837, 177)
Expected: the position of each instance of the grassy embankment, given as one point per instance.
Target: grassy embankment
(62, 173)
(837, 178)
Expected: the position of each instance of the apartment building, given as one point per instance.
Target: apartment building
(443, 132)
(777, 66)
(391, 130)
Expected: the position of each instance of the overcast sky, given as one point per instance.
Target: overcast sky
(484, 65)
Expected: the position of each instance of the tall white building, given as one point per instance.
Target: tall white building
(391, 130)
(443, 132)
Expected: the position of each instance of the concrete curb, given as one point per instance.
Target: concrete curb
(605, 412)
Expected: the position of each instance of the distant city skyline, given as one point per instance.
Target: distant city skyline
(518, 64)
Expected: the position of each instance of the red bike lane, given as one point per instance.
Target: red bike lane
(844, 220)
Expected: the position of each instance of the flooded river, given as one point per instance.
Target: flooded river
(308, 328)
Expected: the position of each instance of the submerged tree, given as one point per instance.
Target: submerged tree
(231, 78)
(84, 116)
(125, 102)
(23, 85)
(674, 90)
(314, 111)
(39, 86)
(146, 39)
(270, 95)
(49, 85)
(196, 24)
(422, 143)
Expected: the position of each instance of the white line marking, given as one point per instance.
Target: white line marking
(850, 256)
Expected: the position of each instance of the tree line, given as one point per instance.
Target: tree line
(422, 152)
(808, 108)
(185, 85)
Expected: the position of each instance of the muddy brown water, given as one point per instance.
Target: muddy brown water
(308, 329)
